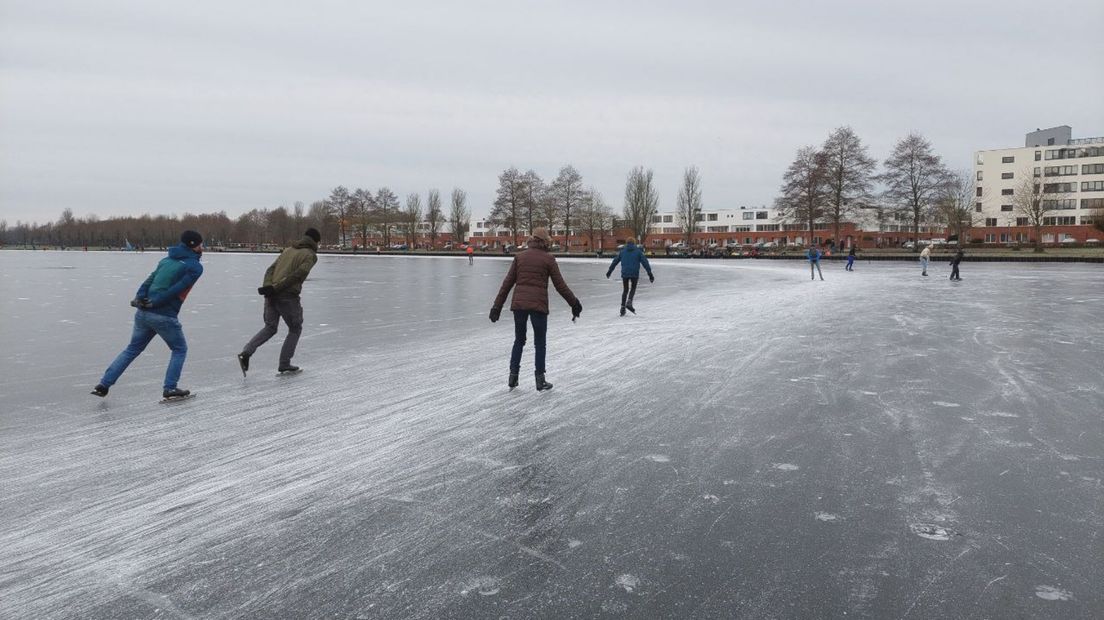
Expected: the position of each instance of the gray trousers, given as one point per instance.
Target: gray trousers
(276, 308)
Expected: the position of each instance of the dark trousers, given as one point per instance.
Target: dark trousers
(540, 330)
(954, 272)
(290, 310)
(628, 290)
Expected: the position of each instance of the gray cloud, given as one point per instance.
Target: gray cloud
(113, 107)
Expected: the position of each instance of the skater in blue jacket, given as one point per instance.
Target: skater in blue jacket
(851, 259)
(158, 302)
(814, 254)
(631, 258)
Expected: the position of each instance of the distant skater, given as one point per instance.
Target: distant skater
(471, 255)
(813, 254)
(954, 265)
(158, 302)
(925, 256)
(851, 259)
(282, 285)
(631, 258)
(530, 271)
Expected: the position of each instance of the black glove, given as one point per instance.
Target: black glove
(267, 291)
(608, 273)
(576, 310)
(142, 303)
(651, 278)
(496, 311)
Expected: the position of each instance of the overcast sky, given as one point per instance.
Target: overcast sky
(126, 107)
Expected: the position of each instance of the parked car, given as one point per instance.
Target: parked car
(937, 241)
(909, 245)
(1068, 240)
(400, 246)
(1092, 241)
(680, 246)
(448, 245)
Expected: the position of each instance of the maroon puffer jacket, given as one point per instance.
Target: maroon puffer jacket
(530, 271)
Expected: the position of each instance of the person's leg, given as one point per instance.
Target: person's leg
(632, 288)
(521, 317)
(173, 334)
(624, 291)
(540, 331)
(139, 338)
(292, 312)
(812, 270)
(271, 320)
(819, 272)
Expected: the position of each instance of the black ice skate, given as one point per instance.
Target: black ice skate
(100, 390)
(243, 361)
(174, 395)
(541, 383)
(513, 381)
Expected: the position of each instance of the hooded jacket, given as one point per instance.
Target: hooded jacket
(530, 271)
(169, 284)
(631, 258)
(288, 272)
(813, 254)
(925, 253)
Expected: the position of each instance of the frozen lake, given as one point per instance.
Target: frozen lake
(751, 444)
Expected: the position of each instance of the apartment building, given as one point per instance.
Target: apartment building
(1071, 172)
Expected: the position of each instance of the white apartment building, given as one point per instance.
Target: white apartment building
(1070, 169)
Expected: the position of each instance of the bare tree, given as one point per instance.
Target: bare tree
(568, 193)
(434, 215)
(548, 210)
(534, 190)
(956, 203)
(689, 203)
(593, 217)
(411, 217)
(321, 217)
(339, 202)
(1034, 200)
(913, 176)
(459, 215)
(387, 212)
(804, 191)
(641, 202)
(298, 217)
(508, 208)
(850, 174)
(362, 210)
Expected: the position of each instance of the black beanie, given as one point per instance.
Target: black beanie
(191, 238)
(314, 234)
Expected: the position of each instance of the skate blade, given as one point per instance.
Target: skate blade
(177, 399)
(288, 373)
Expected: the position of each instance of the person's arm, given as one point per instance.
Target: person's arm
(647, 265)
(187, 280)
(561, 286)
(616, 259)
(268, 273)
(143, 291)
(299, 275)
(507, 284)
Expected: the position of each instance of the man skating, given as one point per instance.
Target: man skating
(530, 271)
(955, 260)
(814, 254)
(851, 259)
(283, 282)
(925, 256)
(471, 255)
(158, 301)
(631, 257)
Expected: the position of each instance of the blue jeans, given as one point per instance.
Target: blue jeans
(540, 329)
(924, 264)
(146, 326)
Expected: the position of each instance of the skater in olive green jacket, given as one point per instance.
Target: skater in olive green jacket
(283, 282)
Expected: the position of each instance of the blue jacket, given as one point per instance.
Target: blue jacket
(631, 258)
(172, 280)
(813, 255)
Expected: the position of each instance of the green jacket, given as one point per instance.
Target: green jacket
(287, 274)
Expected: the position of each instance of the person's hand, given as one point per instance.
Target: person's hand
(496, 312)
(142, 303)
(576, 309)
(267, 291)
(651, 278)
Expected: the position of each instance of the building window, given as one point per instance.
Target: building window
(979, 175)
(1007, 207)
(767, 227)
(1062, 188)
(980, 159)
(1090, 186)
(1004, 192)
(698, 217)
(1088, 219)
(1023, 221)
(977, 207)
(1090, 169)
(979, 192)
(1038, 155)
(657, 219)
(1006, 175)
(1050, 141)
(1064, 220)
(712, 217)
(749, 215)
(1009, 159)
(1059, 171)
(1092, 203)
(990, 221)
(741, 229)
(1067, 203)
(667, 219)
(761, 215)
(1038, 171)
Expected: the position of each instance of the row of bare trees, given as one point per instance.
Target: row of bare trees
(834, 182)
(344, 218)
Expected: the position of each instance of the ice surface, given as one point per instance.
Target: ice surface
(749, 444)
